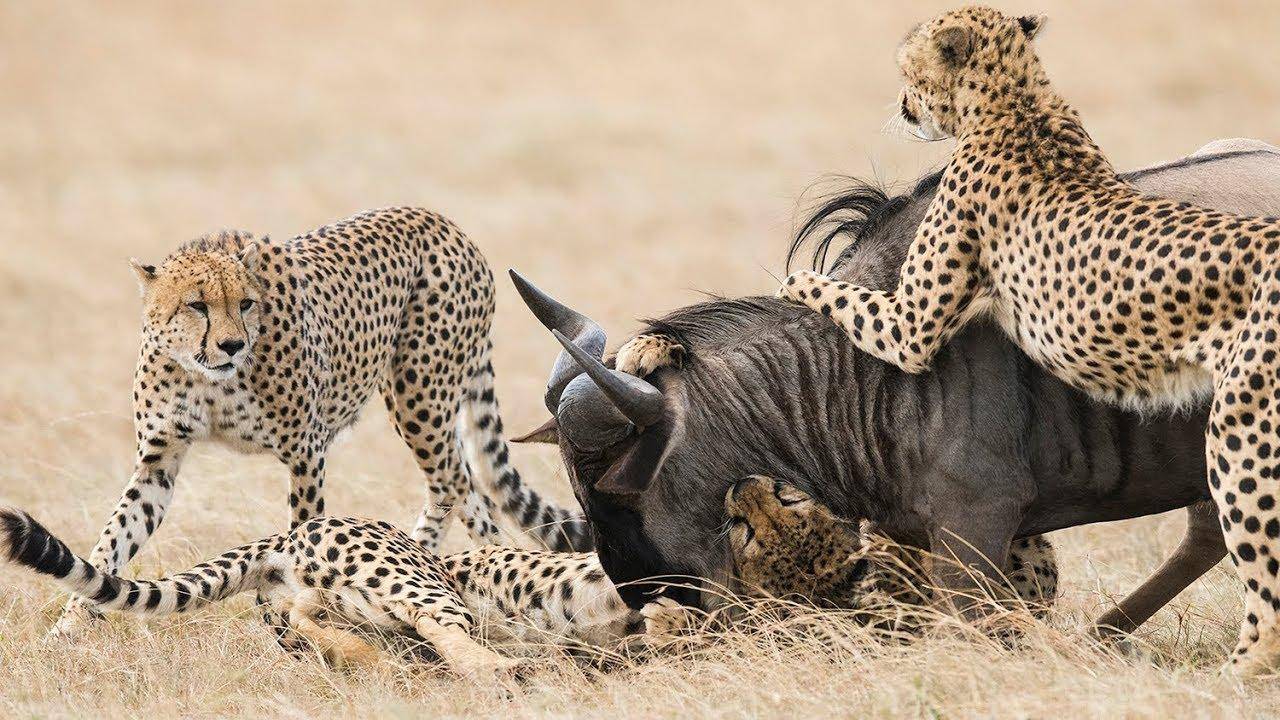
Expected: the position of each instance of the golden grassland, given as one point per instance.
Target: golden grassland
(623, 155)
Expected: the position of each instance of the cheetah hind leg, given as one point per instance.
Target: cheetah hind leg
(461, 652)
(340, 648)
(425, 411)
(1244, 475)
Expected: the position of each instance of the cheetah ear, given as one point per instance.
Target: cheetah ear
(250, 255)
(146, 274)
(1032, 25)
(954, 45)
(547, 432)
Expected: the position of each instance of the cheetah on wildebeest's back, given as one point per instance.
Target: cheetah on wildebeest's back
(277, 346)
(1138, 300)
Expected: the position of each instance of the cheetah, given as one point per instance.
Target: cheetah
(1138, 300)
(328, 576)
(277, 346)
(785, 543)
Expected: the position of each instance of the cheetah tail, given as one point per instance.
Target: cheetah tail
(26, 542)
(480, 430)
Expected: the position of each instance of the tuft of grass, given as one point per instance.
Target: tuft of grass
(620, 154)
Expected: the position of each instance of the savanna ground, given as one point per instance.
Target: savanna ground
(625, 156)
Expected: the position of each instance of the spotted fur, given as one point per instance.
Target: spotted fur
(328, 576)
(1138, 300)
(277, 346)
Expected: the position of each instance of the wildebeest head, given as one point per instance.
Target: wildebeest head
(651, 458)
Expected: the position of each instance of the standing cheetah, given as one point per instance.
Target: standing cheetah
(1138, 300)
(328, 574)
(277, 346)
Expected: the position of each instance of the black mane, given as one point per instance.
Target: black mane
(858, 210)
(721, 321)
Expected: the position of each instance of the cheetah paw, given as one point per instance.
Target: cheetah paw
(798, 286)
(73, 623)
(646, 353)
(665, 616)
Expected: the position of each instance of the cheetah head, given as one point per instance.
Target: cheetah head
(786, 543)
(950, 62)
(201, 304)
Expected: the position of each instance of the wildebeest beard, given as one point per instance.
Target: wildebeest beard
(770, 388)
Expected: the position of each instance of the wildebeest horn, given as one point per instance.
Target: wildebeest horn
(585, 333)
(637, 400)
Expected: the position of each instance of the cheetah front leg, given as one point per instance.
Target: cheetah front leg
(137, 515)
(907, 326)
(1032, 572)
(305, 460)
(645, 353)
(461, 652)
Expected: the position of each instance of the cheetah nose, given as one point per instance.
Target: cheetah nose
(231, 347)
(740, 485)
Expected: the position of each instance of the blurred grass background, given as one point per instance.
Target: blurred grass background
(623, 155)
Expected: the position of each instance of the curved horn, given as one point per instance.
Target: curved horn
(588, 417)
(556, 316)
(637, 400)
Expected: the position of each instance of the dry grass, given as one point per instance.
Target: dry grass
(620, 154)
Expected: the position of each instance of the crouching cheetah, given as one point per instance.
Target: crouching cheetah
(785, 543)
(329, 575)
(1138, 300)
(277, 346)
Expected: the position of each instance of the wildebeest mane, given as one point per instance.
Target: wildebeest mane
(853, 213)
(722, 321)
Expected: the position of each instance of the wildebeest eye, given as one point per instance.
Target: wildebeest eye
(245, 305)
(199, 307)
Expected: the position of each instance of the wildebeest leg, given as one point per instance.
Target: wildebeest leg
(1201, 548)
(968, 555)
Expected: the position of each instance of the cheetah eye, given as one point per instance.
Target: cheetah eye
(908, 115)
(199, 307)
(245, 305)
(737, 521)
(787, 496)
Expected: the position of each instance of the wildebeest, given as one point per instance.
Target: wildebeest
(984, 449)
